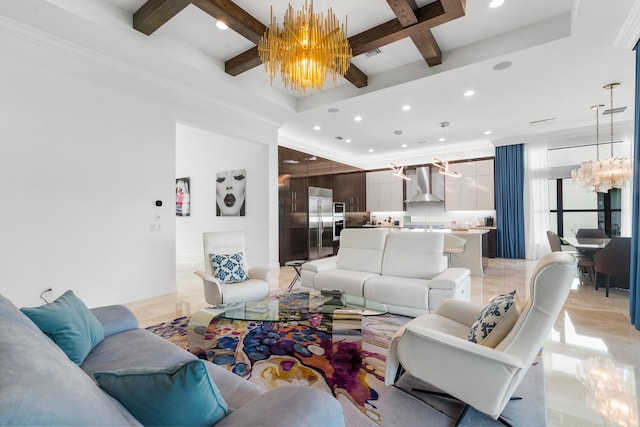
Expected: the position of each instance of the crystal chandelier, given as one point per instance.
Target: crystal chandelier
(603, 175)
(305, 49)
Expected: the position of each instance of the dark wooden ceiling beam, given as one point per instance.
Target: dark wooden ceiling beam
(405, 11)
(412, 22)
(155, 13)
(244, 62)
(453, 9)
(356, 76)
(428, 47)
(234, 16)
(392, 31)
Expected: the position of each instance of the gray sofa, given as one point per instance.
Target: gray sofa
(40, 385)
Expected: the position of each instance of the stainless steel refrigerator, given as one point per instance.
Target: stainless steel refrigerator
(320, 222)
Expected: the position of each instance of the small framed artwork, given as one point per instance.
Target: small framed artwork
(183, 197)
(230, 192)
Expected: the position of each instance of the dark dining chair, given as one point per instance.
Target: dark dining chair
(591, 233)
(614, 260)
(554, 241)
(585, 263)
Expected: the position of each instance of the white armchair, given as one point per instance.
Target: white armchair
(254, 288)
(434, 347)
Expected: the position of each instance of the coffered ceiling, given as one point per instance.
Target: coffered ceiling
(526, 61)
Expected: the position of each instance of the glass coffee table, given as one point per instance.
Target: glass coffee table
(326, 310)
(295, 305)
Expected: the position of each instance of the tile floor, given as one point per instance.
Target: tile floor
(590, 357)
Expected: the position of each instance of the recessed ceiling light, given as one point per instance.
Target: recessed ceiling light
(316, 127)
(487, 132)
(406, 107)
(404, 145)
(469, 93)
(371, 150)
(221, 25)
(442, 139)
(502, 65)
(496, 3)
(357, 118)
(333, 110)
(348, 141)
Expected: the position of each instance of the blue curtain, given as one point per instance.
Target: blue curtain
(634, 295)
(509, 189)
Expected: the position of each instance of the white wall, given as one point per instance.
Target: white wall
(88, 146)
(199, 156)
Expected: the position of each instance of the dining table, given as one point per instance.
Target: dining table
(587, 244)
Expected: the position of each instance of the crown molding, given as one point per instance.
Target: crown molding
(629, 33)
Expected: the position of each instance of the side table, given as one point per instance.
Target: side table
(297, 266)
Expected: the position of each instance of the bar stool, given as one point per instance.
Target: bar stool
(453, 245)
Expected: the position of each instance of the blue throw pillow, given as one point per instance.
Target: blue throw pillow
(228, 268)
(70, 324)
(181, 395)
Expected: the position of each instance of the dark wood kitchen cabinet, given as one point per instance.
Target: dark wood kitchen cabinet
(293, 184)
(296, 172)
(351, 188)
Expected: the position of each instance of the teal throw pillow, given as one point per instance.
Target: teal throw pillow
(70, 324)
(181, 395)
(228, 268)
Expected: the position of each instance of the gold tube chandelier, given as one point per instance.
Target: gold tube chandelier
(603, 175)
(306, 49)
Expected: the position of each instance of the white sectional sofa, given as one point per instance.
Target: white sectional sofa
(404, 270)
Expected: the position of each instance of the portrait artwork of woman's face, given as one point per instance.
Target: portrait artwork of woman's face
(183, 203)
(230, 192)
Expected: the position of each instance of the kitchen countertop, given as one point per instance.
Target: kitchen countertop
(461, 231)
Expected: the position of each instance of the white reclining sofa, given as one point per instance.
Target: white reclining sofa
(404, 270)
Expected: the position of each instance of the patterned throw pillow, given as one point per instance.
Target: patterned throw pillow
(228, 268)
(495, 321)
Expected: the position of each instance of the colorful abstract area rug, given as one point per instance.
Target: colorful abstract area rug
(348, 364)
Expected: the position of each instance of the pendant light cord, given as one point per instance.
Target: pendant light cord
(597, 108)
(611, 114)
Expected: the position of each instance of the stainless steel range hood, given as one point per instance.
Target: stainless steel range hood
(427, 185)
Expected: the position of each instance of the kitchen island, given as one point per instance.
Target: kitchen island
(472, 257)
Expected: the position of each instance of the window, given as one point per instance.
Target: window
(573, 207)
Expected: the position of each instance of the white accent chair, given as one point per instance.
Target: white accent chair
(256, 288)
(482, 377)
